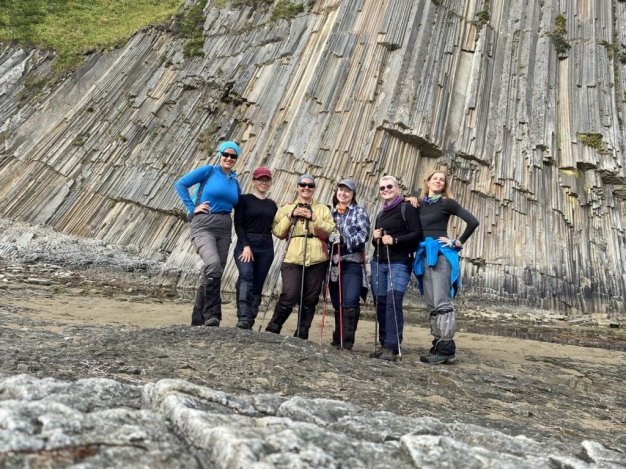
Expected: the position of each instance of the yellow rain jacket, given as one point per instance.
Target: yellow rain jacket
(316, 250)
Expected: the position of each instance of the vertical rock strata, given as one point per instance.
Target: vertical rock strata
(523, 102)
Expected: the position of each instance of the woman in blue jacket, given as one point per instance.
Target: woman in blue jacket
(211, 227)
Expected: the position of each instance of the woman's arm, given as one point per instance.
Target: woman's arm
(188, 180)
(356, 230)
(282, 223)
(321, 222)
(240, 216)
(471, 222)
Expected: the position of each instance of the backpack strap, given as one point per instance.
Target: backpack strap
(203, 183)
(402, 211)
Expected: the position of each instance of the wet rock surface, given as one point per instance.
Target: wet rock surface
(221, 397)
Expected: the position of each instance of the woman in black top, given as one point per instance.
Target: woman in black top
(437, 265)
(397, 231)
(254, 251)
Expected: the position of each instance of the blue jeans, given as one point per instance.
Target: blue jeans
(252, 276)
(351, 282)
(346, 324)
(400, 276)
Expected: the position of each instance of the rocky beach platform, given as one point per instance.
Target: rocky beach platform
(98, 368)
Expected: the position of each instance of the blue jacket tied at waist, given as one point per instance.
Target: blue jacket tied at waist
(428, 251)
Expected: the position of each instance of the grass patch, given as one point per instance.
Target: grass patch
(616, 51)
(73, 28)
(558, 35)
(590, 140)
(285, 10)
(190, 23)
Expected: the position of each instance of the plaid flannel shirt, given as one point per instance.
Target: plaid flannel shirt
(354, 226)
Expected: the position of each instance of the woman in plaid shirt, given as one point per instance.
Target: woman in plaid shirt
(348, 255)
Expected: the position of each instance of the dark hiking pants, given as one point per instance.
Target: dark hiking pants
(210, 236)
(351, 283)
(290, 296)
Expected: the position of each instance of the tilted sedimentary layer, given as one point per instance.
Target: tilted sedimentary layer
(523, 102)
(173, 423)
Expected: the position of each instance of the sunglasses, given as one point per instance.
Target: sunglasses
(310, 185)
(232, 156)
(388, 187)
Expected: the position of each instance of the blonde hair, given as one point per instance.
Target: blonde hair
(390, 178)
(445, 193)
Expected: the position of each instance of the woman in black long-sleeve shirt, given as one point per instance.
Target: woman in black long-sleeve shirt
(437, 265)
(397, 232)
(254, 251)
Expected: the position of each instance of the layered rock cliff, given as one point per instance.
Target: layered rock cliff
(523, 102)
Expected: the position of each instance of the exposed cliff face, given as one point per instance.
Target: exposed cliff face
(531, 130)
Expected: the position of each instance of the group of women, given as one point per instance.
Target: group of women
(326, 247)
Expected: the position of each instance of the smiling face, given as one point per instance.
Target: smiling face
(262, 184)
(344, 195)
(306, 188)
(436, 184)
(228, 159)
(388, 189)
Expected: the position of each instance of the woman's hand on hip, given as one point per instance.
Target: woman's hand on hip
(246, 255)
(203, 208)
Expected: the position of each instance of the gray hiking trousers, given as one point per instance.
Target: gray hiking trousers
(210, 235)
(436, 282)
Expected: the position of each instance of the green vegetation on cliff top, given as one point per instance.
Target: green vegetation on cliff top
(75, 27)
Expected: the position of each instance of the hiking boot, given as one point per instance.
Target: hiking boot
(244, 325)
(212, 322)
(432, 359)
(389, 355)
(377, 353)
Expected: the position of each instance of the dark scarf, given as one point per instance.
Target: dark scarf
(393, 204)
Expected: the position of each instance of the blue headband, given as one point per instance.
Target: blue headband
(306, 176)
(231, 145)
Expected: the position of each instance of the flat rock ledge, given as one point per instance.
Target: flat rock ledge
(99, 422)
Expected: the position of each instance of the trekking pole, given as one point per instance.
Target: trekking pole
(306, 237)
(393, 299)
(340, 297)
(293, 224)
(377, 295)
(326, 291)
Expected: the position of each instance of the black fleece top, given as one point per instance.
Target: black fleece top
(406, 235)
(253, 215)
(434, 219)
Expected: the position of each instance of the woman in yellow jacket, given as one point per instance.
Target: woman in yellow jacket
(312, 223)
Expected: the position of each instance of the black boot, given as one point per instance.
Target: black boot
(196, 314)
(244, 305)
(281, 314)
(349, 326)
(212, 311)
(336, 337)
(306, 319)
(256, 303)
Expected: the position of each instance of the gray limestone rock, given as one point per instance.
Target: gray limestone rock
(180, 424)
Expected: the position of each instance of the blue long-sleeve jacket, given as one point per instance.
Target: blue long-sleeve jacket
(427, 252)
(221, 191)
